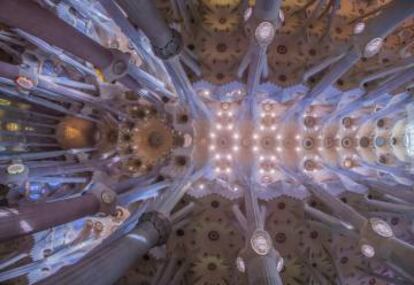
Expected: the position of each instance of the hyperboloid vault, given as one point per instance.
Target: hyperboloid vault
(207, 142)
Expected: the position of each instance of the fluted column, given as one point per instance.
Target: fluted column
(263, 270)
(267, 10)
(165, 41)
(375, 236)
(9, 92)
(105, 265)
(264, 21)
(33, 19)
(9, 71)
(167, 45)
(390, 17)
(30, 115)
(374, 31)
(16, 222)
(43, 154)
(261, 261)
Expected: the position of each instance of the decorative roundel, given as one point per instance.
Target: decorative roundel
(15, 168)
(381, 227)
(261, 242)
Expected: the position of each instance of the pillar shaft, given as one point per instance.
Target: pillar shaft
(66, 169)
(31, 115)
(146, 16)
(267, 10)
(37, 217)
(43, 154)
(32, 18)
(389, 18)
(379, 26)
(9, 71)
(402, 256)
(258, 55)
(105, 265)
(35, 20)
(340, 209)
(262, 270)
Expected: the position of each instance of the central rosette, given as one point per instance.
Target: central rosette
(147, 139)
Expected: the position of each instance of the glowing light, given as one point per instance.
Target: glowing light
(281, 16)
(280, 264)
(247, 14)
(373, 47)
(240, 263)
(5, 102)
(359, 28)
(13, 127)
(409, 139)
(225, 106)
(205, 92)
(367, 250)
(348, 163)
(72, 133)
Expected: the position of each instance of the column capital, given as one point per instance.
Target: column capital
(160, 222)
(172, 48)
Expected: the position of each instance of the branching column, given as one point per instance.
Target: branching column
(106, 264)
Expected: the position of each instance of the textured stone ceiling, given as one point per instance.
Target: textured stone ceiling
(272, 140)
